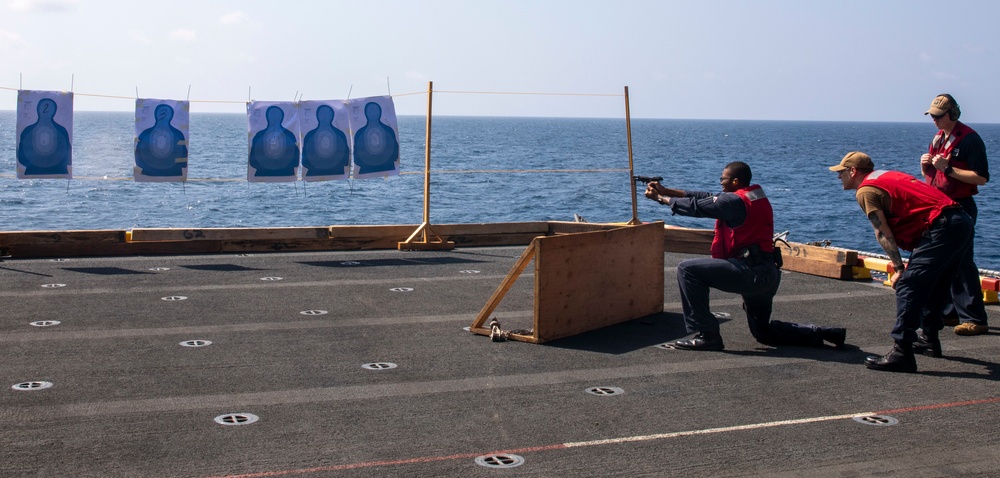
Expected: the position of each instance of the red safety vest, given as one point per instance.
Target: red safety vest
(757, 228)
(942, 145)
(914, 205)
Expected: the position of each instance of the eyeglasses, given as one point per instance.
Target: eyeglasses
(937, 117)
(724, 179)
(846, 170)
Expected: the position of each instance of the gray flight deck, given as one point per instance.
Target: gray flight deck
(291, 335)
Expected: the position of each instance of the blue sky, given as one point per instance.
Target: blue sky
(704, 59)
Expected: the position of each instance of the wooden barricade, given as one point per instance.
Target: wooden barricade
(587, 280)
(818, 261)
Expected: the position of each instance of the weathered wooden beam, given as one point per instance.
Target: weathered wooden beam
(818, 268)
(229, 234)
(687, 241)
(62, 237)
(111, 249)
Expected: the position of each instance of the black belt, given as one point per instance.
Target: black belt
(752, 255)
(942, 219)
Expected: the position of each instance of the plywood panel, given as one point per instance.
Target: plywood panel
(591, 280)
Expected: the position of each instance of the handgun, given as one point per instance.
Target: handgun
(647, 179)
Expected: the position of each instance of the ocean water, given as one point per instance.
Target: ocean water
(484, 169)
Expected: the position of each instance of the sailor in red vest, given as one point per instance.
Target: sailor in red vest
(956, 165)
(910, 215)
(742, 262)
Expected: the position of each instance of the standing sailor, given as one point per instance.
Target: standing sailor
(956, 165)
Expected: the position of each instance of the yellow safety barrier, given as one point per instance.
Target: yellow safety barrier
(990, 285)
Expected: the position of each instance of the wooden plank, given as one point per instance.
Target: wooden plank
(432, 245)
(505, 285)
(291, 245)
(816, 253)
(443, 230)
(818, 268)
(540, 228)
(367, 237)
(62, 237)
(481, 240)
(591, 280)
(397, 231)
(561, 227)
(110, 249)
(229, 234)
(687, 241)
(364, 243)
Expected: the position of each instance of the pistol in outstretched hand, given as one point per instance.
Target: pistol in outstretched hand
(647, 179)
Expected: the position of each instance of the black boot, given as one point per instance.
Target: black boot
(927, 344)
(702, 341)
(835, 335)
(899, 359)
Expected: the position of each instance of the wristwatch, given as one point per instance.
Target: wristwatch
(948, 170)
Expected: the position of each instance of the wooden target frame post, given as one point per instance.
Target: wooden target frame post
(586, 281)
(425, 231)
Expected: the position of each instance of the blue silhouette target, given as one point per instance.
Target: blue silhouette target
(274, 148)
(161, 151)
(44, 134)
(376, 148)
(326, 152)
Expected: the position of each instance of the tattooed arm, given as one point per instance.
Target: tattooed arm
(888, 242)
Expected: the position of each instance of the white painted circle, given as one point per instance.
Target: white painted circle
(231, 419)
(159, 269)
(44, 323)
(402, 289)
(468, 272)
(379, 366)
(500, 460)
(173, 298)
(28, 386)
(314, 312)
(270, 278)
(53, 286)
(877, 420)
(605, 391)
(196, 343)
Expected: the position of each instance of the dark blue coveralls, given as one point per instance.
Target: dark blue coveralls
(756, 283)
(940, 258)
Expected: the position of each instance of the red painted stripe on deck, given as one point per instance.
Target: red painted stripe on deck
(406, 461)
(560, 446)
(940, 405)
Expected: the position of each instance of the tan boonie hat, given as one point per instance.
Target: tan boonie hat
(941, 105)
(854, 159)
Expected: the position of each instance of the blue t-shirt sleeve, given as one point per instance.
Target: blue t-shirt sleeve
(972, 150)
(725, 206)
